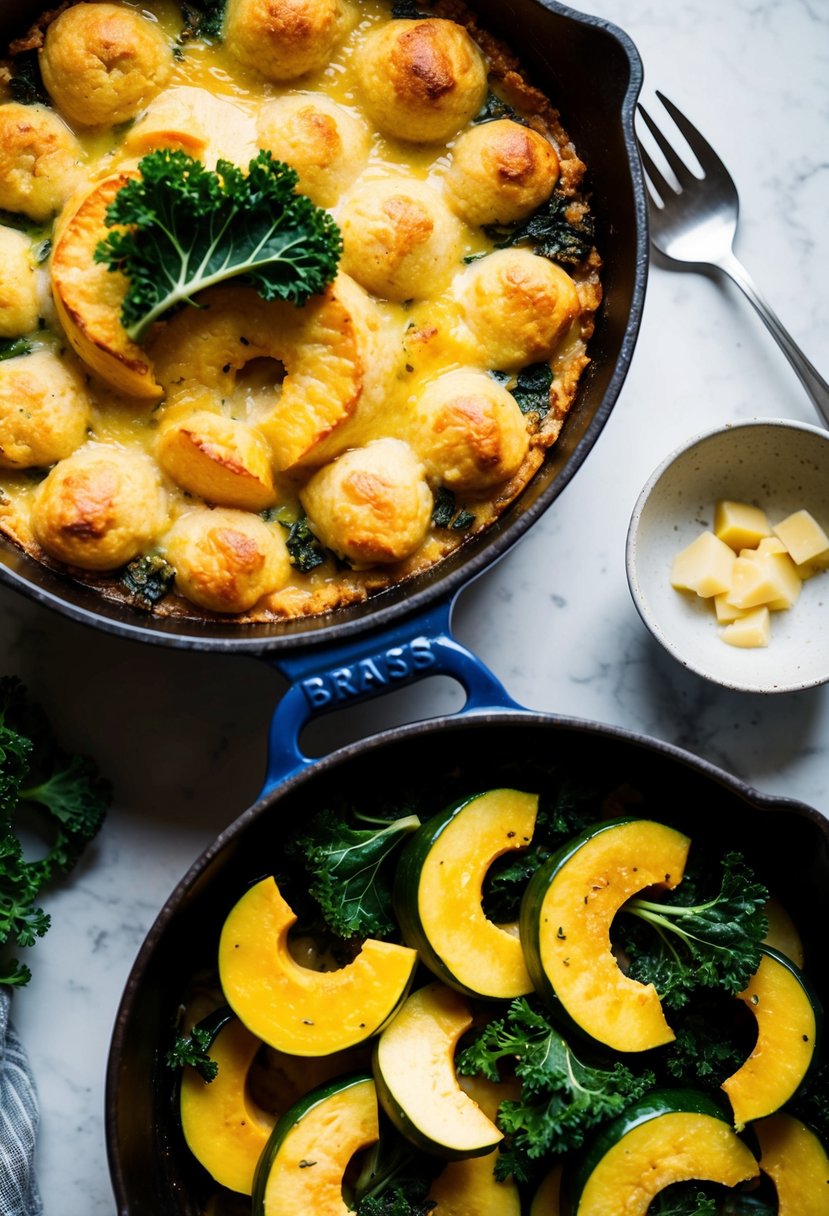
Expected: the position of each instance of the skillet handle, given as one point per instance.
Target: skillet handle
(339, 676)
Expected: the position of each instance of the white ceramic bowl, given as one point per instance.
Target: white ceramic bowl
(778, 465)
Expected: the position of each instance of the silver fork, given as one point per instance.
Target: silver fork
(696, 224)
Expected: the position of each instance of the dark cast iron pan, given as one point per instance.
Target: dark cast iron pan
(592, 72)
(490, 743)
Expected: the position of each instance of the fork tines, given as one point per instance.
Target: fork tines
(706, 157)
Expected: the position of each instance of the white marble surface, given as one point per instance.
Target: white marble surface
(183, 735)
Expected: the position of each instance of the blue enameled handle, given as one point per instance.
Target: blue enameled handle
(338, 676)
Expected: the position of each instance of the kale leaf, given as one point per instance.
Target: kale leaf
(394, 1180)
(562, 1098)
(683, 1199)
(191, 1049)
(532, 389)
(10, 348)
(304, 548)
(408, 10)
(34, 771)
(204, 19)
(179, 228)
(555, 231)
(714, 1036)
(713, 942)
(445, 513)
(494, 108)
(26, 85)
(348, 877)
(149, 578)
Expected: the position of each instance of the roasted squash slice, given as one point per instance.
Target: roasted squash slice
(782, 932)
(469, 1187)
(301, 1170)
(547, 1198)
(669, 1136)
(224, 1129)
(417, 1085)
(296, 1010)
(788, 1015)
(89, 298)
(566, 914)
(796, 1162)
(438, 888)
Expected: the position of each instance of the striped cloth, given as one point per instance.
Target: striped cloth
(19, 1195)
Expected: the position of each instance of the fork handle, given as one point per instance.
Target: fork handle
(809, 377)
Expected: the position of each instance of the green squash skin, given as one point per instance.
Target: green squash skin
(650, 1106)
(530, 920)
(286, 1123)
(407, 883)
(410, 1130)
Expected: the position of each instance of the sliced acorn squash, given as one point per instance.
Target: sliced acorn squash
(438, 891)
(566, 914)
(301, 1170)
(417, 1085)
(296, 1010)
(469, 1187)
(668, 1136)
(547, 1198)
(782, 932)
(788, 1015)
(796, 1162)
(225, 1130)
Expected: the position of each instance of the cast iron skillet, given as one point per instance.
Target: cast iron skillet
(593, 72)
(491, 742)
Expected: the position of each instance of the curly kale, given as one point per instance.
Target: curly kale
(494, 108)
(67, 790)
(304, 548)
(149, 578)
(532, 389)
(180, 228)
(711, 942)
(26, 85)
(562, 1098)
(394, 1180)
(560, 230)
(348, 872)
(204, 19)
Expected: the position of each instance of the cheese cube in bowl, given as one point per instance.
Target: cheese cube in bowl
(761, 490)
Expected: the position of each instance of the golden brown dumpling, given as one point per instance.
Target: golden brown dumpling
(44, 411)
(501, 171)
(372, 505)
(18, 288)
(218, 458)
(40, 160)
(468, 430)
(326, 145)
(226, 560)
(421, 80)
(102, 63)
(197, 122)
(400, 240)
(284, 39)
(100, 507)
(518, 306)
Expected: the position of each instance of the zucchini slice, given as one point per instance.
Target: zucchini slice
(469, 1187)
(788, 1016)
(438, 890)
(566, 914)
(796, 1162)
(417, 1085)
(225, 1130)
(296, 1010)
(302, 1167)
(670, 1135)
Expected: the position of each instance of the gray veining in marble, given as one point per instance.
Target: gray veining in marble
(183, 735)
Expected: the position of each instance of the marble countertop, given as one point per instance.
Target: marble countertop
(183, 735)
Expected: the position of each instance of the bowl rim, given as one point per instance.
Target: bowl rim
(632, 557)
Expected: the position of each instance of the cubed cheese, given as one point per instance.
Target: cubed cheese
(803, 536)
(753, 629)
(726, 613)
(764, 578)
(739, 524)
(704, 566)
